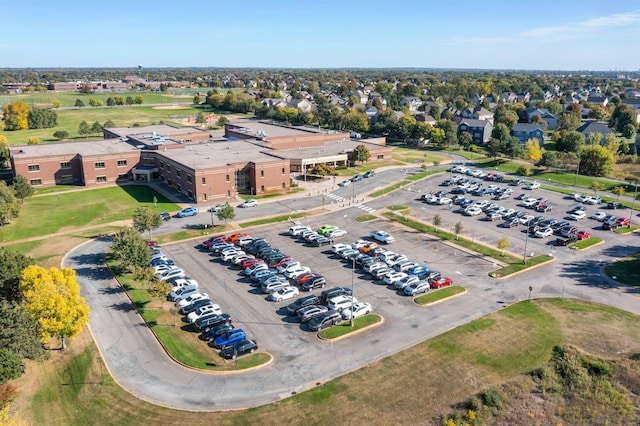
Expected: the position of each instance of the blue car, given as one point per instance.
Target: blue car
(229, 338)
(418, 270)
(188, 211)
(158, 261)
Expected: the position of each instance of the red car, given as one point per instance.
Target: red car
(217, 239)
(623, 221)
(583, 235)
(282, 262)
(440, 282)
(250, 262)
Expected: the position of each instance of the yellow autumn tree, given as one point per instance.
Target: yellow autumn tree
(16, 116)
(52, 297)
(532, 148)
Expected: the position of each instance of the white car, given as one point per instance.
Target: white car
(336, 233)
(577, 216)
(444, 201)
(382, 236)
(359, 243)
(171, 273)
(544, 232)
(592, 200)
(406, 282)
(202, 311)
(255, 268)
(528, 202)
(229, 255)
(339, 303)
(249, 203)
(357, 310)
(296, 230)
(289, 265)
(345, 183)
(292, 274)
(394, 277)
(599, 216)
(189, 300)
(288, 292)
(183, 282)
(392, 261)
(472, 211)
(533, 185)
(579, 197)
(162, 267)
(339, 248)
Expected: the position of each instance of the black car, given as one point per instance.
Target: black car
(614, 205)
(195, 305)
(209, 321)
(565, 241)
(610, 224)
(322, 241)
(511, 223)
(165, 216)
(333, 292)
(239, 348)
(369, 173)
(301, 302)
(317, 282)
(308, 312)
(324, 320)
(216, 331)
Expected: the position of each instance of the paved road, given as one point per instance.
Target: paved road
(139, 364)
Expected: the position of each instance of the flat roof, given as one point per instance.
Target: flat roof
(97, 147)
(206, 155)
(327, 149)
(159, 129)
(274, 129)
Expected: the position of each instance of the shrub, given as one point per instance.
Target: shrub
(10, 365)
(524, 171)
(8, 393)
(492, 398)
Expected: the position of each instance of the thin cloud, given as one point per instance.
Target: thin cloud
(582, 29)
(613, 20)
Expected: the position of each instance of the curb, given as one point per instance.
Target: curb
(424, 305)
(344, 336)
(523, 270)
(587, 248)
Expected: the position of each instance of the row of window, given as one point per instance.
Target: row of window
(68, 179)
(67, 165)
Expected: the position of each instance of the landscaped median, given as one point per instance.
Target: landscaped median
(626, 271)
(178, 338)
(407, 181)
(585, 244)
(439, 295)
(513, 264)
(344, 328)
(276, 219)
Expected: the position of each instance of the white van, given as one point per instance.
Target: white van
(295, 230)
(183, 293)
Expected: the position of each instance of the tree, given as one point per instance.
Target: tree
(12, 264)
(128, 100)
(16, 116)
(465, 140)
(92, 102)
(201, 118)
(83, 128)
(596, 186)
(458, 228)
(524, 170)
(130, 250)
(79, 103)
(226, 212)
(532, 148)
(222, 120)
(19, 332)
(197, 100)
(22, 188)
(52, 297)
(360, 154)
(4, 151)
(56, 103)
(146, 220)
(61, 134)
(33, 141)
(138, 99)
(511, 148)
(570, 142)
(110, 102)
(618, 191)
(9, 204)
(109, 123)
(503, 243)
(118, 100)
(436, 220)
(39, 118)
(596, 160)
(493, 147)
(96, 127)
(10, 365)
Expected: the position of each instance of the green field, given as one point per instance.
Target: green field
(50, 214)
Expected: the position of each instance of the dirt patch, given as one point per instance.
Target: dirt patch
(171, 107)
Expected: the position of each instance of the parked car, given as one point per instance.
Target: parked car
(599, 216)
(274, 284)
(583, 235)
(240, 348)
(326, 228)
(302, 302)
(187, 211)
(393, 277)
(285, 293)
(182, 293)
(440, 282)
(228, 338)
(306, 313)
(533, 185)
(565, 241)
(543, 233)
(333, 292)
(614, 205)
(339, 303)
(249, 203)
(623, 221)
(345, 183)
(192, 298)
(357, 310)
(208, 322)
(316, 282)
(203, 311)
(407, 281)
(417, 287)
(165, 216)
(325, 320)
(336, 233)
(171, 273)
(369, 173)
(579, 215)
(195, 305)
(382, 236)
(339, 248)
(216, 331)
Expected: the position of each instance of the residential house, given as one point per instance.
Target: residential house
(302, 105)
(589, 127)
(423, 117)
(598, 99)
(545, 115)
(376, 95)
(526, 131)
(413, 102)
(372, 114)
(360, 96)
(480, 130)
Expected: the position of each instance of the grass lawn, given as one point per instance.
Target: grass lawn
(71, 210)
(365, 218)
(416, 155)
(345, 328)
(408, 180)
(519, 266)
(277, 219)
(589, 242)
(74, 388)
(626, 271)
(626, 229)
(437, 295)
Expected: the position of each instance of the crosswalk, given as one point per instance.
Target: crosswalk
(340, 199)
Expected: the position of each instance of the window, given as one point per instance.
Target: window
(283, 170)
(66, 179)
(168, 168)
(101, 179)
(162, 165)
(205, 197)
(204, 181)
(65, 165)
(262, 173)
(99, 165)
(148, 161)
(283, 185)
(189, 178)
(122, 163)
(34, 167)
(228, 193)
(227, 178)
(124, 176)
(380, 156)
(261, 188)
(178, 172)
(35, 182)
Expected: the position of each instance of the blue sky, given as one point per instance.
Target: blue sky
(487, 34)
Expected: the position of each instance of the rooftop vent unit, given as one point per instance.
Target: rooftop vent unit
(140, 146)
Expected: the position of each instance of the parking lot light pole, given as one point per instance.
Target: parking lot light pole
(353, 273)
(577, 171)
(633, 202)
(526, 240)
(210, 206)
